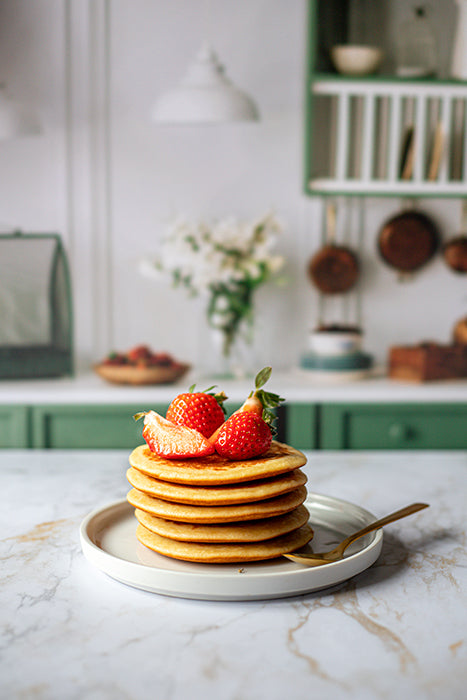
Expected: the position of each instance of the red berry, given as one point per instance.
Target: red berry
(173, 441)
(115, 358)
(243, 435)
(199, 411)
(139, 352)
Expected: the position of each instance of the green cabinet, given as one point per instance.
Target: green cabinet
(369, 426)
(393, 427)
(14, 426)
(306, 426)
(300, 426)
(87, 426)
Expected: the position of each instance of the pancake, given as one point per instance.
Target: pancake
(255, 531)
(214, 469)
(226, 494)
(225, 553)
(218, 514)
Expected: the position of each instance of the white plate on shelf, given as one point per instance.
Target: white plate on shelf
(109, 542)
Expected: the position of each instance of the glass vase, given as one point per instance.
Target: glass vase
(236, 363)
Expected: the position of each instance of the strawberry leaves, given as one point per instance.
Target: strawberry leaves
(269, 400)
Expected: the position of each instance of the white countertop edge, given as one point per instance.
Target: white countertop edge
(295, 386)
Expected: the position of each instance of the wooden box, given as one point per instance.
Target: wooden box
(428, 362)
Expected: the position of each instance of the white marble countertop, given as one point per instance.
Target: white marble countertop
(397, 630)
(294, 386)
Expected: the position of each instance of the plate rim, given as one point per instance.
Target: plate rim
(300, 578)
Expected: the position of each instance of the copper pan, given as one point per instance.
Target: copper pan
(455, 250)
(333, 269)
(408, 240)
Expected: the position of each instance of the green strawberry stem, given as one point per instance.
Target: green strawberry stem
(268, 400)
(139, 415)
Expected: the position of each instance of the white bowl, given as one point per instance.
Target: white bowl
(335, 343)
(350, 59)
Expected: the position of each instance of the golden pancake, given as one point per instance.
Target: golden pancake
(214, 469)
(246, 492)
(225, 553)
(217, 514)
(247, 531)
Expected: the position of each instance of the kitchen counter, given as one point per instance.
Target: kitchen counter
(397, 630)
(296, 386)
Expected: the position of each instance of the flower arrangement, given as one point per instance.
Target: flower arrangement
(226, 262)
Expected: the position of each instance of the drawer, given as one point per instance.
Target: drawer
(14, 426)
(298, 426)
(94, 426)
(394, 426)
(91, 426)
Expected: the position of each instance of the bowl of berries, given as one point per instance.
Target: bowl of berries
(139, 366)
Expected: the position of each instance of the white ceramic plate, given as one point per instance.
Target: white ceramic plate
(109, 542)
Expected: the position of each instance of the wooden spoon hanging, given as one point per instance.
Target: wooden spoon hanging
(334, 268)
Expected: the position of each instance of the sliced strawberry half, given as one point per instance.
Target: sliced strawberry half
(166, 439)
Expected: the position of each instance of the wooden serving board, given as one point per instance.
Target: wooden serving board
(428, 362)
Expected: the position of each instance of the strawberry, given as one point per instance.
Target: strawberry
(244, 435)
(259, 402)
(173, 441)
(198, 410)
(115, 358)
(139, 352)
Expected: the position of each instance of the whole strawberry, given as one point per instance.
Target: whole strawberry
(199, 410)
(262, 403)
(243, 435)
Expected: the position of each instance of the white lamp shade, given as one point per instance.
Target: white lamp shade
(205, 96)
(16, 119)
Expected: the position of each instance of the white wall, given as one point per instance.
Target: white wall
(108, 179)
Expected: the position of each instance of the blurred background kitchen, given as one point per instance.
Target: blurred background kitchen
(109, 179)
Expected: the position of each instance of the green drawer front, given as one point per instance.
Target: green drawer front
(406, 426)
(301, 426)
(14, 426)
(88, 426)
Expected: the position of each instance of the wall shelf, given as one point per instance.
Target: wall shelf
(395, 138)
(381, 135)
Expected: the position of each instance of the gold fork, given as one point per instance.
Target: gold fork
(317, 558)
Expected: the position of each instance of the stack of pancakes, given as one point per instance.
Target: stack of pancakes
(214, 510)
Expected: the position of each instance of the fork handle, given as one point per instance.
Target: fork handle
(377, 524)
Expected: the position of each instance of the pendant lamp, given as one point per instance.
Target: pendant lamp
(16, 119)
(205, 96)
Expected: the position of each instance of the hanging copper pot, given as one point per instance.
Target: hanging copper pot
(455, 254)
(459, 333)
(334, 269)
(408, 241)
(455, 250)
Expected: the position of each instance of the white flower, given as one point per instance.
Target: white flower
(221, 304)
(275, 263)
(253, 269)
(228, 255)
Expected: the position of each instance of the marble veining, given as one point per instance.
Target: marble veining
(397, 630)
